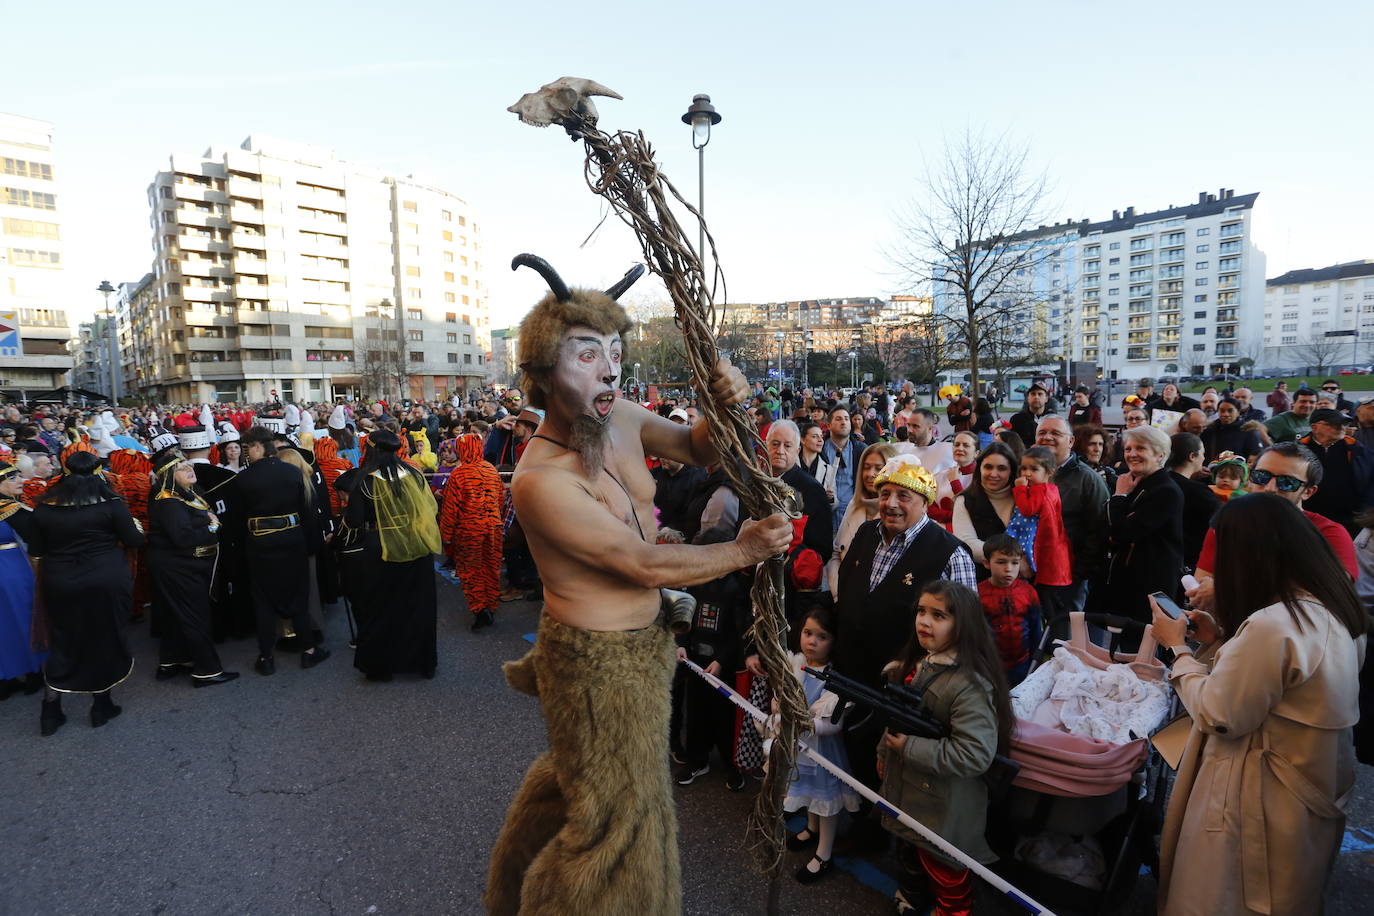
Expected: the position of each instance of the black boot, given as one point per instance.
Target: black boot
(52, 718)
(103, 709)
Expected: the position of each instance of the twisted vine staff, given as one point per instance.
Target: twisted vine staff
(621, 169)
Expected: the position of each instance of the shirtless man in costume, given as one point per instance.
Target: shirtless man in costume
(593, 829)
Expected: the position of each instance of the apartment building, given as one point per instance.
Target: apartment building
(1320, 316)
(33, 318)
(281, 268)
(1170, 292)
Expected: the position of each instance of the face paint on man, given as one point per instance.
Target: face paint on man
(584, 379)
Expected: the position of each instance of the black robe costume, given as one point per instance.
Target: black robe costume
(273, 504)
(395, 604)
(87, 591)
(182, 554)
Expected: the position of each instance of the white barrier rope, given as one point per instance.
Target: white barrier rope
(883, 804)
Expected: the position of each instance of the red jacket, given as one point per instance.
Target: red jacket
(1053, 557)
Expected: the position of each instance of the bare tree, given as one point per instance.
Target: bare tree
(974, 241)
(1318, 351)
(931, 352)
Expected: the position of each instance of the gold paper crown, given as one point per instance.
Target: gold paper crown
(906, 471)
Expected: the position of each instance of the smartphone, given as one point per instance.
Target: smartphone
(1167, 605)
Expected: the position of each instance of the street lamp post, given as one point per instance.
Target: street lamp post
(853, 369)
(702, 116)
(779, 337)
(105, 289)
(322, 393)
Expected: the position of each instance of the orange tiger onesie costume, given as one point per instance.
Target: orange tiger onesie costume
(470, 525)
(331, 466)
(131, 476)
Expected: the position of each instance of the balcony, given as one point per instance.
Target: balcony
(1227, 333)
(192, 216)
(1229, 282)
(241, 213)
(1234, 231)
(1167, 273)
(206, 294)
(1171, 256)
(243, 238)
(243, 264)
(244, 187)
(188, 242)
(190, 268)
(197, 192)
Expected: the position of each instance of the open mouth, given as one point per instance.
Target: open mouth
(604, 403)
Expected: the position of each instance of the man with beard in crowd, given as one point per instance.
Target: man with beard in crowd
(592, 828)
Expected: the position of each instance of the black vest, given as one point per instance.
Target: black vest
(872, 627)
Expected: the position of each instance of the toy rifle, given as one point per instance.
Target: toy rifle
(901, 709)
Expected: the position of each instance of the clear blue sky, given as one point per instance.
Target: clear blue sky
(828, 113)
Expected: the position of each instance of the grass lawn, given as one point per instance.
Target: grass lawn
(1347, 383)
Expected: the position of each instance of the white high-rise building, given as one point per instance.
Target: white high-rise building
(1173, 292)
(33, 319)
(281, 268)
(1319, 316)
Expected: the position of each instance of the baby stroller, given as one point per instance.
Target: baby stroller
(1082, 814)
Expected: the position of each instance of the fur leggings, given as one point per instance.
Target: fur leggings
(592, 829)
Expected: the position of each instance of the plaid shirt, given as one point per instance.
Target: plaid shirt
(959, 569)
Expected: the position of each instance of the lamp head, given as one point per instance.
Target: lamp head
(701, 116)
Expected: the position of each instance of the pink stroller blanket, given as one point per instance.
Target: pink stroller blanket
(1057, 763)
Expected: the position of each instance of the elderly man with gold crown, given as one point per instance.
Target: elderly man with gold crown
(881, 576)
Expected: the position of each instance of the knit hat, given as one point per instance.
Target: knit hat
(1230, 460)
(906, 471)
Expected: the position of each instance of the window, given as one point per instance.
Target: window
(451, 337)
(410, 206)
(1289, 340)
(462, 220)
(448, 236)
(1113, 261)
(452, 357)
(446, 215)
(29, 257)
(466, 318)
(1200, 281)
(25, 169)
(448, 257)
(37, 200)
(467, 339)
(467, 359)
(1113, 246)
(1202, 249)
(31, 229)
(1204, 231)
(1202, 265)
(450, 297)
(448, 276)
(1201, 297)
(413, 292)
(415, 335)
(1202, 314)
(412, 271)
(1115, 290)
(451, 317)
(414, 315)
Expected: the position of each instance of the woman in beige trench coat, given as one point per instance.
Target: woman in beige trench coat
(1258, 809)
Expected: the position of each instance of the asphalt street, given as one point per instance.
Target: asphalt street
(317, 792)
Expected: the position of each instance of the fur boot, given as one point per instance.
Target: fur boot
(593, 829)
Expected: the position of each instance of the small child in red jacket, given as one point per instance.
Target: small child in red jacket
(1038, 524)
(1011, 605)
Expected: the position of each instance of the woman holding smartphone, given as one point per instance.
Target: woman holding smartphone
(1258, 810)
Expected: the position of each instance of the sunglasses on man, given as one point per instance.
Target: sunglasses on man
(1284, 482)
(1330, 388)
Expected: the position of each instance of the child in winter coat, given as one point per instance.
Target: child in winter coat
(1011, 605)
(1037, 523)
(938, 781)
